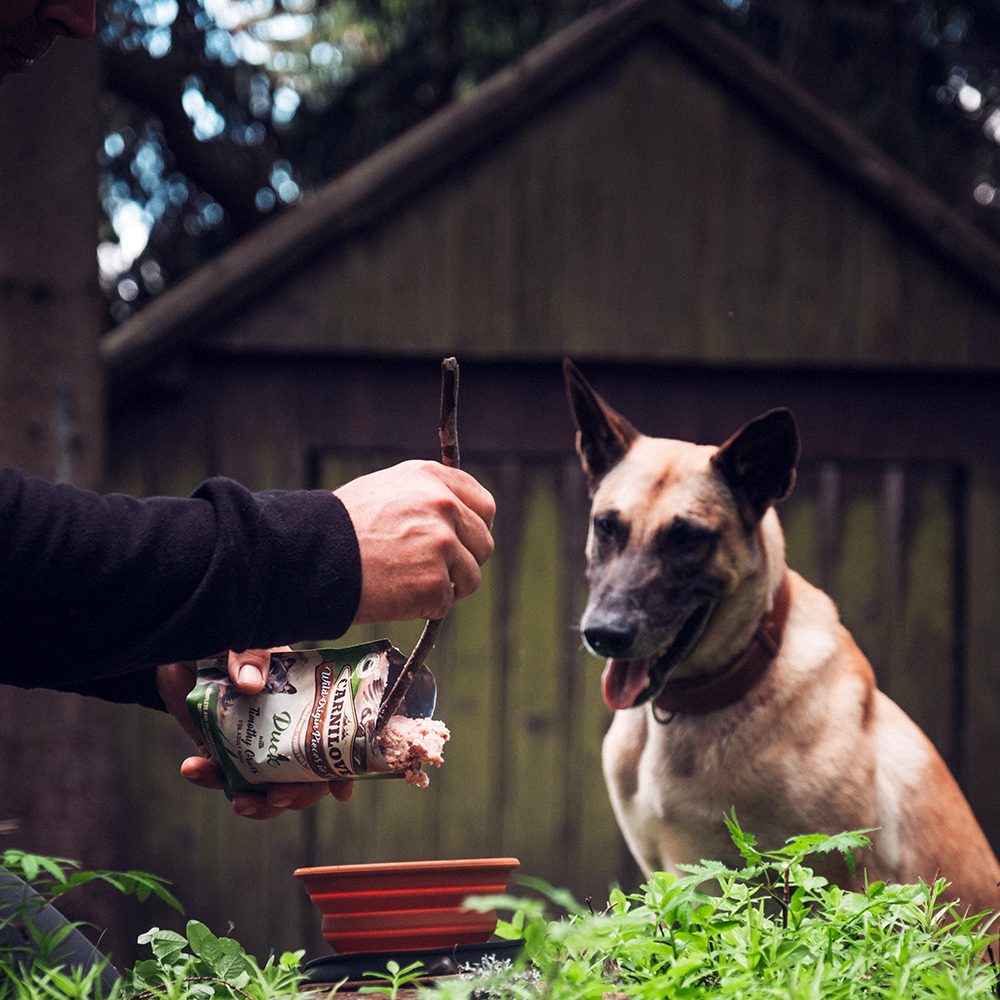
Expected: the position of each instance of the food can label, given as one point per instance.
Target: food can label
(313, 721)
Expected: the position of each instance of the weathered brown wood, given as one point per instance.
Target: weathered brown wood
(522, 771)
(51, 398)
(980, 746)
(895, 551)
(748, 251)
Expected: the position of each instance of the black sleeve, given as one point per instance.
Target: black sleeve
(93, 588)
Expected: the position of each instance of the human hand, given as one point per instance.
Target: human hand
(424, 531)
(248, 671)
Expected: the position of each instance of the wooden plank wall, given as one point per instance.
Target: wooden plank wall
(651, 213)
(886, 541)
(905, 539)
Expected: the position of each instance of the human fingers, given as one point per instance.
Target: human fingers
(473, 531)
(421, 544)
(279, 798)
(72, 18)
(468, 490)
(464, 576)
(403, 489)
(202, 771)
(341, 790)
(266, 804)
(468, 511)
(304, 796)
(248, 670)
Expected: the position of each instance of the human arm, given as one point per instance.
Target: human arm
(126, 583)
(111, 585)
(420, 528)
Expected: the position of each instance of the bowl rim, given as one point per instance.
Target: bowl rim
(404, 866)
(415, 920)
(399, 936)
(407, 932)
(409, 892)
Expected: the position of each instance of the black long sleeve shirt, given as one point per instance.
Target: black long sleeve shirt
(96, 590)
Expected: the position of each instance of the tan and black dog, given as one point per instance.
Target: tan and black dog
(734, 683)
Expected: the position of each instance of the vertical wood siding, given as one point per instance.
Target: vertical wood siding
(650, 214)
(885, 540)
(522, 699)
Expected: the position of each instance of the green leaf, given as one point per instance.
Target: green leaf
(166, 945)
(224, 956)
(561, 897)
(147, 971)
(203, 942)
(512, 929)
(31, 865)
(745, 842)
(710, 870)
(143, 884)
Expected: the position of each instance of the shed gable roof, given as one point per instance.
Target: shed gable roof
(386, 181)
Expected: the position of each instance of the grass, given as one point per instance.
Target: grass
(771, 930)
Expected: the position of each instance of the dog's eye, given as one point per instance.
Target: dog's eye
(687, 543)
(610, 529)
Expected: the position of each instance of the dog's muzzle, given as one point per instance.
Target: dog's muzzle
(627, 683)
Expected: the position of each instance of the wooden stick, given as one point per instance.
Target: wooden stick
(448, 433)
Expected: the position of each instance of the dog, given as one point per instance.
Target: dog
(733, 682)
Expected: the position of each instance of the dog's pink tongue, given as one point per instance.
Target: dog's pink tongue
(622, 681)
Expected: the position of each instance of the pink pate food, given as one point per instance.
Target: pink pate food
(406, 744)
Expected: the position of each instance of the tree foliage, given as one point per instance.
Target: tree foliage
(221, 112)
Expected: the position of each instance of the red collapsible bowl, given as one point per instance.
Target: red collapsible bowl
(405, 905)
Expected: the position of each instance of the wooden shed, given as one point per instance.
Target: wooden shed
(645, 195)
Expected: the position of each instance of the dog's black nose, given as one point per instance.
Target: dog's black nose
(609, 640)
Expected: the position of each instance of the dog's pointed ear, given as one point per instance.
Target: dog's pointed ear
(602, 436)
(758, 463)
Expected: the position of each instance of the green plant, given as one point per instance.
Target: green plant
(771, 929)
(53, 877)
(31, 970)
(397, 977)
(202, 965)
(198, 966)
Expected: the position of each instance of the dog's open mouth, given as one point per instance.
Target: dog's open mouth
(628, 683)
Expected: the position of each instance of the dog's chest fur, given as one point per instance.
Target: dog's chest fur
(767, 756)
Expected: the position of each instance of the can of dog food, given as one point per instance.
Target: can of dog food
(313, 721)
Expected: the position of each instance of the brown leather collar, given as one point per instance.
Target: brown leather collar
(700, 695)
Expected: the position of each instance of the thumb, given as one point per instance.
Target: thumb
(248, 670)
